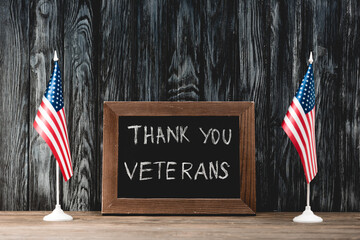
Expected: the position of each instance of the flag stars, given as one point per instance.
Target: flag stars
(54, 90)
(306, 91)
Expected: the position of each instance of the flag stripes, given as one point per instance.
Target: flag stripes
(299, 123)
(299, 128)
(51, 126)
(311, 119)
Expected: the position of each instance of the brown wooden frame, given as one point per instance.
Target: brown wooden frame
(246, 204)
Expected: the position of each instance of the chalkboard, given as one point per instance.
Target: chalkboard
(193, 154)
(178, 158)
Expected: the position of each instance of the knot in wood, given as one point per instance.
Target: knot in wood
(45, 8)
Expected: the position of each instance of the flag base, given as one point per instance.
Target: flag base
(58, 215)
(307, 217)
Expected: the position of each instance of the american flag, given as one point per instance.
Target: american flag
(299, 124)
(50, 123)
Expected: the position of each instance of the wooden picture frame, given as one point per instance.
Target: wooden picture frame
(246, 204)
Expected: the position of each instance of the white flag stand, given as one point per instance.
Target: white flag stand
(58, 214)
(307, 216)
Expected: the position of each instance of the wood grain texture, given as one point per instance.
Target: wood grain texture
(328, 81)
(151, 37)
(14, 105)
(219, 50)
(349, 134)
(117, 78)
(183, 82)
(285, 74)
(116, 71)
(247, 156)
(80, 94)
(175, 51)
(252, 85)
(91, 225)
(46, 29)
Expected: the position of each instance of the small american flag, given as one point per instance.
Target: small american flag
(299, 124)
(50, 122)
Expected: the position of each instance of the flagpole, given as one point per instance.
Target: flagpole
(311, 60)
(57, 165)
(57, 214)
(57, 185)
(308, 195)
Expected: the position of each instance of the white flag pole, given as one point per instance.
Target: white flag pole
(308, 195)
(57, 214)
(57, 185)
(308, 216)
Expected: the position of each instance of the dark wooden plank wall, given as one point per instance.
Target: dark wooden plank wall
(14, 105)
(180, 50)
(45, 35)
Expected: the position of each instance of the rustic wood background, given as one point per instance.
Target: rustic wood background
(180, 50)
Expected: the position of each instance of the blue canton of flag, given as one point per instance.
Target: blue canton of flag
(54, 92)
(306, 92)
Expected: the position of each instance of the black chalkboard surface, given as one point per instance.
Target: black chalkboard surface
(178, 157)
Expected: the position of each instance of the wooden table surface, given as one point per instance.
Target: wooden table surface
(92, 225)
